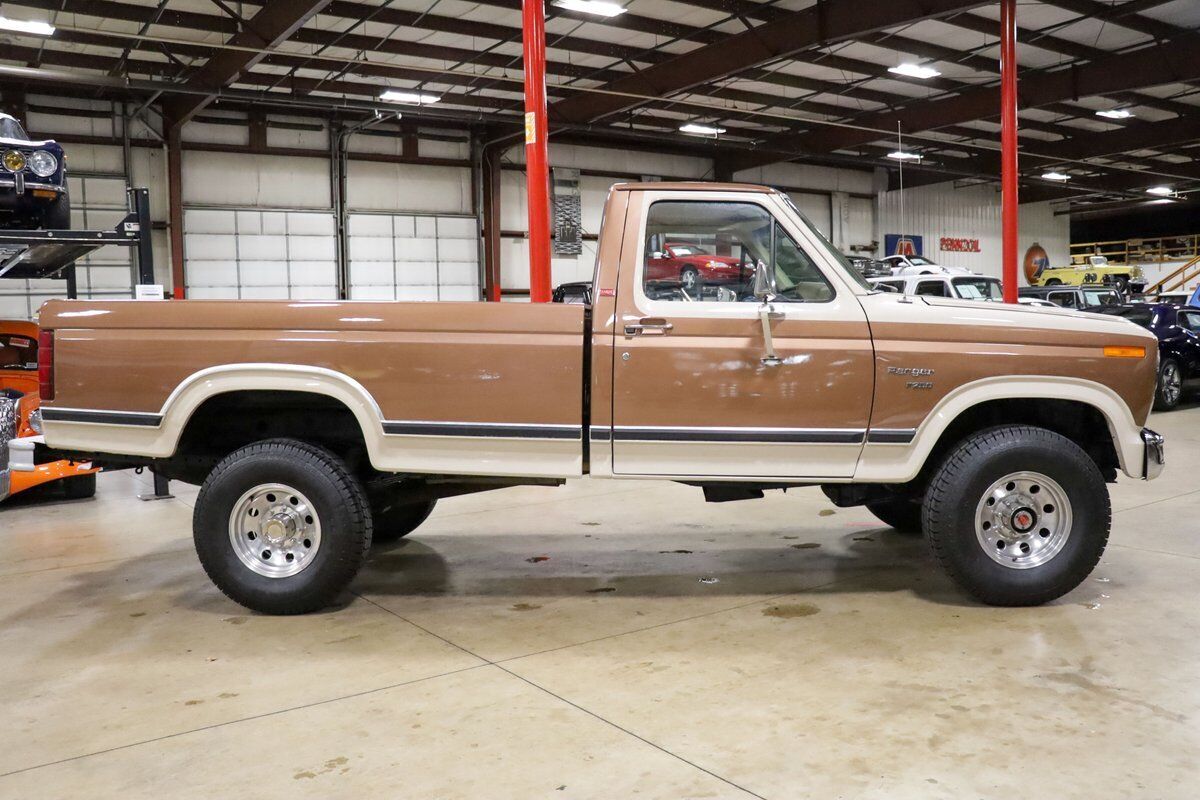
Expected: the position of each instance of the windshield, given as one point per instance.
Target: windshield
(1138, 314)
(11, 129)
(1100, 297)
(847, 268)
(921, 261)
(978, 288)
(686, 250)
(18, 352)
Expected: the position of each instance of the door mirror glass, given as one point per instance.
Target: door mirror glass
(764, 281)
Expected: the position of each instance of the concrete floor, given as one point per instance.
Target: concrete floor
(601, 640)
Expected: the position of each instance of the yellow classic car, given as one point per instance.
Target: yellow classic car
(1095, 270)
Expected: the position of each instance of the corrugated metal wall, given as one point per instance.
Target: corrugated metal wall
(972, 212)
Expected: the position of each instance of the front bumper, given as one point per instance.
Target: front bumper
(1155, 458)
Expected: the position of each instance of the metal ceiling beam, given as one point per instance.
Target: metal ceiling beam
(273, 24)
(1123, 72)
(833, 21)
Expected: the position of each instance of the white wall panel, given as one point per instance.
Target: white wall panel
(817, 208)
(240, 180)
(374, 186)
(940, 210)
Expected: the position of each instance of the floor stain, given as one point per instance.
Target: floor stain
(790, 610)
(525, 606)
(673, 552)
(193, 702)
(227, 695)
(826, 512)
(864, 539)
(591, 524)
(235, 620)
(330, 765)
(345, 639)
(537, 559)
(601, 590)
(138, 614)
(1081, 681)
(805, 545)
(789, 537)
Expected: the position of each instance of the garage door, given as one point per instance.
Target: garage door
(413, 257)
(256, 254)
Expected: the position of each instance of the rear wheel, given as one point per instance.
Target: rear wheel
(1017, 515)
(282, 527)
(903, 515)
(1169, 390)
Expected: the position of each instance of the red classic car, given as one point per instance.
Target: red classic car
(690, 266)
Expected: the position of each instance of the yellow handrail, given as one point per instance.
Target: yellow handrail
(1158, 287)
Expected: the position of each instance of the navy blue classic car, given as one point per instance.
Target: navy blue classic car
(1178, 332)
(33, 180)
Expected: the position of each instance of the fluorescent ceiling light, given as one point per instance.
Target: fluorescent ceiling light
(598, 7)
(1115, 113)
(1161, 191)
(702, 130)
(26, 26)
(914, 71)
(1055, 176)
(901, 155)
(415, 98)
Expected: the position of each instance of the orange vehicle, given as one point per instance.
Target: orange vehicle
(20, 421)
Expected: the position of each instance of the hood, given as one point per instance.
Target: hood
(946, 310)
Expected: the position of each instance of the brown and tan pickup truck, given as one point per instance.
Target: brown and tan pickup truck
(317, 427)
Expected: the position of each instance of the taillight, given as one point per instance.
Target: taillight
(46, 365)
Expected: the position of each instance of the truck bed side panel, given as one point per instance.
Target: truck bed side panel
(445, 387)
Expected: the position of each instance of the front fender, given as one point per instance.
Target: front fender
(898, 462)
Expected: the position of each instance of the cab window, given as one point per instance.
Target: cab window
(932, 289)
(1190, 320)
(978, 288)
(707, 251)
(1064, 299)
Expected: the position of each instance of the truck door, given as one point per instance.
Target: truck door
(693, 394)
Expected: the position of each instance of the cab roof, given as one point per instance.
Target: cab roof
(692, 186)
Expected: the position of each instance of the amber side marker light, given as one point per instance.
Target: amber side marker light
(1119, 351)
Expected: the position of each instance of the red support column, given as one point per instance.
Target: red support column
(537, 174)
(1008, 146)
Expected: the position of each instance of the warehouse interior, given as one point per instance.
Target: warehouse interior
(601, 638)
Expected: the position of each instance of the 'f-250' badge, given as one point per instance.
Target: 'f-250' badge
(913, 372)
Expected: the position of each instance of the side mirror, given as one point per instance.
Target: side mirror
(656, 255)
(764, 281)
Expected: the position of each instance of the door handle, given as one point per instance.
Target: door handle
(648, 327)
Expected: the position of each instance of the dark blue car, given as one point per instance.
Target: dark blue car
(33, 180)
(1178, 332)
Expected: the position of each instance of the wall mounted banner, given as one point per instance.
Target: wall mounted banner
(952, 244)
(902, 244)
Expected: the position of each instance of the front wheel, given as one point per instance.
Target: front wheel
(1169, 389)
(1017, 515)
(282, 527)
(57, 216)
(689, 279)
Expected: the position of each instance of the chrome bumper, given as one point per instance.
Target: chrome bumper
(20, 459)
(1156, 456)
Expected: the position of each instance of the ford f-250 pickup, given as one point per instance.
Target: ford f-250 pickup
(315, 427)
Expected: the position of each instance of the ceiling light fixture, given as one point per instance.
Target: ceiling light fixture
(1055, 176)
(1115, 113)
(1161, 191)
(700, 130)
(26, 26)
(901, 155)
(412, 98)
(911, 70)
(598, 7)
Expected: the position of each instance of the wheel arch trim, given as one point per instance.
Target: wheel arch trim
(893, 464)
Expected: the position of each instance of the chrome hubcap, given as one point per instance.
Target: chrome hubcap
(275, 530)
(689, 279)
(1172, 383)
(1023, 520)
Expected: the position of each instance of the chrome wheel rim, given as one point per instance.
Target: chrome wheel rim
(1172, 383)
(275, 530)
(1023, 520)
(689, 279)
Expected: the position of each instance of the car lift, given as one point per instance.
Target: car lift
(52, 254)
